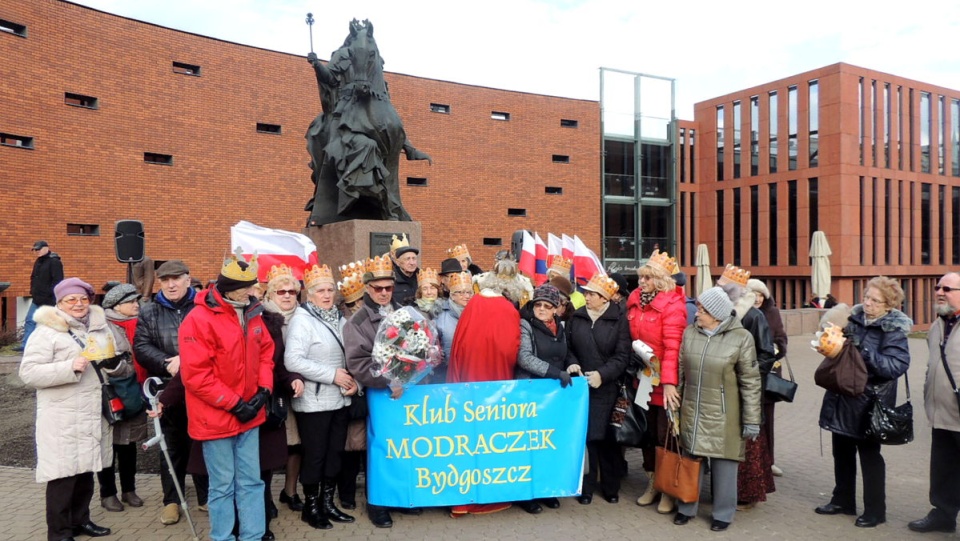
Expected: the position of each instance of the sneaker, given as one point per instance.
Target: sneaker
(203, 508)
(170, 514)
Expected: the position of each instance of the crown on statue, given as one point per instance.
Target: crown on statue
(458, 251)
(397, 243)
(459, 280)
(735, 275)
(280, 271)
(662, 262)
(232, 269)
(317, 274)
(560, 265)
(98, 350)
(602, 284)
(428, 276)
(381, 266)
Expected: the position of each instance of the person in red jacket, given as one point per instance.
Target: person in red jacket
(226, 363)
(657, 315)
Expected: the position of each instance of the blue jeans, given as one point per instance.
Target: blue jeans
(234, 468)
(28, 324)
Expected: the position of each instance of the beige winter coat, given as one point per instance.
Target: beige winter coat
(72, 435)
(940, 402)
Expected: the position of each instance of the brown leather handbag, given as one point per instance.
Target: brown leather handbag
(677, 475)
(844, 374)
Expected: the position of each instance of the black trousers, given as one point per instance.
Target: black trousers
(125, 458)
(945, 472)
(605, 468)
(873, 468)
(324, 434)
(173, 424)
(68, 505)
(350, 464)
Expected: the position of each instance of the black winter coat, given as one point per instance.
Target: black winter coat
(404, 287)
(47, 272)
(602, 346)
(158, 329)
(273, 441)
(885, 350)
(538, 343)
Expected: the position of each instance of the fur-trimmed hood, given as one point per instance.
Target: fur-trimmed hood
(892, 321)
(56, 319)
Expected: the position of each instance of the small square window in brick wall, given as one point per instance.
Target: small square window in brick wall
(416, 181)
(79, 100)
(492, 241)
(567, 123)
(186, 69)
(516, 212)
(162, 159)
(553, 190)
(20, 141)
(83, 230)
(440, 108)
(560, 158)
(274, 129)
(11, 27)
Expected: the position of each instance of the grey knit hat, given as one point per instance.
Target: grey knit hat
(716, 303)
(547, 293)
(119, 295)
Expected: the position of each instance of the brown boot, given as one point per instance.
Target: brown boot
(111, 503)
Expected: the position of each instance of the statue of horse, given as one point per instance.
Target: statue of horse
(355, 142)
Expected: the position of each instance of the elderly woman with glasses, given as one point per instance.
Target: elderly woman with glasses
(879, 331)
(73, 438)
(461, 291)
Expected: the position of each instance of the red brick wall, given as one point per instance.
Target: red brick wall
(87, 165)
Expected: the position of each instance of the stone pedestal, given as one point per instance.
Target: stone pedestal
(342, 242)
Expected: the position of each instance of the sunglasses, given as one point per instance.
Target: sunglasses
(545, 305)
(282, 292)
(946, 289)
(381, 289)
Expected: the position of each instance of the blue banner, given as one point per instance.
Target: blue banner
(462, 443)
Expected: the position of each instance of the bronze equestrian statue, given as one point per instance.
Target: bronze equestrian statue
(356, 140)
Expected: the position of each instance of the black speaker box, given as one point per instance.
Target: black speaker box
(129, 241)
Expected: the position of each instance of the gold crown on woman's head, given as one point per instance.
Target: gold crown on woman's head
(233, 269)
(351, 287)
(734, 275)
(280, 271)
(318, 274)
(602, 285)
(560, 265)
(662, 262)
(458, 251)
(379, 267)
(428, 276)
(459, 280)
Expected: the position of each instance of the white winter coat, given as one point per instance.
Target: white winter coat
(72, 435)
(313, 351)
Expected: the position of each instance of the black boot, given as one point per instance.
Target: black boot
(312, 513)
(329, 508)
(267, 534)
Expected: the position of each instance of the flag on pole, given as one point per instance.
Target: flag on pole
(566, 248)
(585, 262)
(528, 256)
(274, 247)
(540, 249)
(554, 245)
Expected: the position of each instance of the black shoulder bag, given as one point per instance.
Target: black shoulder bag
(890, 426)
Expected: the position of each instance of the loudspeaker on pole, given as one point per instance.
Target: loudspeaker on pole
(129, 241)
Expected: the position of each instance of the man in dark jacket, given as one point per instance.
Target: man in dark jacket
(405, 270)
(156, 349)
(47, 272)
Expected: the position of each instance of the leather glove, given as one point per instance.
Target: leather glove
(244, 412)
(259, 399)
(642, 350)
(751, 432)
(561, 375)
(593, 379)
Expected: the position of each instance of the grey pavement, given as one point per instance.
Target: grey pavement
(803, 451)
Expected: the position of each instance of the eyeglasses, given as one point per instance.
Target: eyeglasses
(946, 289)
(75, 300)
(282, 292)
(381, 289)
(544, 305)
(460, 293)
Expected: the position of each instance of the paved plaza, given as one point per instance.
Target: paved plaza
(802, 450)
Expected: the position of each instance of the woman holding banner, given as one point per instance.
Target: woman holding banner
(599, 338)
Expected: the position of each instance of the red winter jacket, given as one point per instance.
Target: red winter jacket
(222, 363)
(660, 324)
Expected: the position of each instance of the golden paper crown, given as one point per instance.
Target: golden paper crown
(831, 341)
(428, 276)
(380, 267)
(398, 243)
(351, 287)
(560, 265)
(602, 284)
(662, 262)
(317, 274)
(231, 267)
(98, 350)
(280, 271)
(734, 274)
(459, 280)
(354, 268)
(458, 251)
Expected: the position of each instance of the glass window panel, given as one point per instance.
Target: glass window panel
(620, 231)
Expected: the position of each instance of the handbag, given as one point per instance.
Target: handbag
(890, 425)
(627, 426)
(845, 374)
(277, 407)
(778, 389)
(128, 389)
(675, 474)
(110, 403)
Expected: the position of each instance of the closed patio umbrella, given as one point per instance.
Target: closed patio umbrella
(704, 281)
(820, 264)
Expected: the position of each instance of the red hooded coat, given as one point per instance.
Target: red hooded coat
(660, 324)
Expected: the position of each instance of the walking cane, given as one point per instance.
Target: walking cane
(310, 24)
(150, 391)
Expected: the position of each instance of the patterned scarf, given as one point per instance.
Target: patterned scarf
(647, 298)
(330, 315)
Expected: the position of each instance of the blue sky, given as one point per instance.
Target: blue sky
(556, 47)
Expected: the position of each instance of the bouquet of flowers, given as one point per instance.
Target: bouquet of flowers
(405, 349)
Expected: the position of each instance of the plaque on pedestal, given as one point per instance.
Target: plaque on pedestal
(342, 242)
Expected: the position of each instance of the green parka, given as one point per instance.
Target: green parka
(721, 390)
